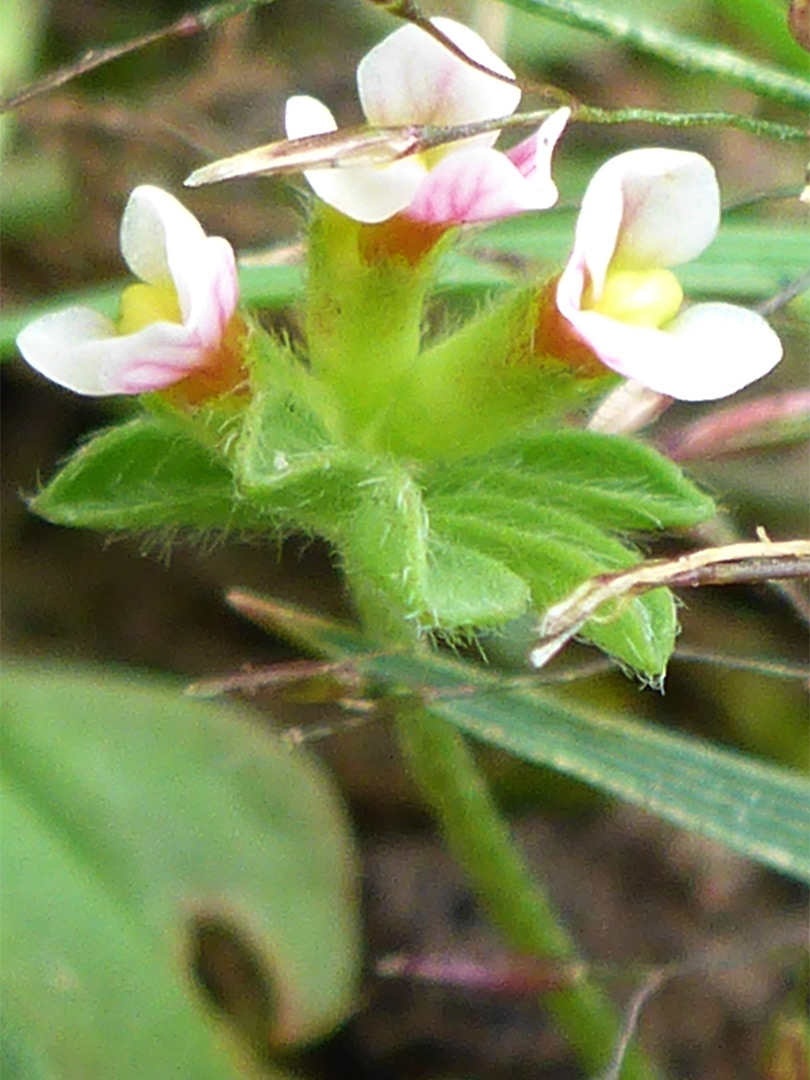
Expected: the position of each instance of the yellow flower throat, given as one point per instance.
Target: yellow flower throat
(142, 305)
(639, 297)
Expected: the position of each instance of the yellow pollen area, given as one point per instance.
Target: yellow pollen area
(429, 159)
(142, 305)
(639, 297)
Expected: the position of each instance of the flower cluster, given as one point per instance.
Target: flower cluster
(616, 300)
(179, 320)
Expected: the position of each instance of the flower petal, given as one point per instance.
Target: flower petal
(478, 184)
(723, 348)
(532, 157)
(153, 222)
(410, 78)
(79, 349)
(707, 352)
(207, 288)
(163, 242)
(305, 115)
(647, 208)
(363, 193)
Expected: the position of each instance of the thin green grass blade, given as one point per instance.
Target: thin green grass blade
(759, 810)
(682, 52)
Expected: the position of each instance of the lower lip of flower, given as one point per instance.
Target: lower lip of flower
(649, 298)
(141, 305)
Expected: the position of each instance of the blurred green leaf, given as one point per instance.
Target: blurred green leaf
(136, 823)
(763, 25)
(751, 260)
(23, 26)
(759, 810)
(682, 52)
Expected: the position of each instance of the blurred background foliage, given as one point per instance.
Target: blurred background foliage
(72, 156)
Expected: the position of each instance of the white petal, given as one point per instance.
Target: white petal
(163, 243)
(410, 78)
(207, 288)
(723, 348)
(596, 236)
(364, 193)
(153, 222)
(305, 115)
(477, 184)
(79, 349)
(708, 352)
(53, 346)
(368, 194)
(648, 208)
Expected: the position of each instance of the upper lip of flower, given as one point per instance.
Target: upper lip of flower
(411, 79)
(164, 245)
(408, 82)
(648, 209)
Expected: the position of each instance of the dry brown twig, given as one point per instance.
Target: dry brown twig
(732, 564)
(185, 26)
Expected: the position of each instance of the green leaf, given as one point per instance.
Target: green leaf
(554, 551)
(540, 506)
(451, 567)
(371, 508)
(764, 25)
(683, 52)
(611, 481)
(757, 809)
(466, 588)
(140, 826)
(142, 475)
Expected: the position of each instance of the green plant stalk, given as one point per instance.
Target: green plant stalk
(363, 317)
(444, 769)
(591, 114)
(766, 129)
(682, 52)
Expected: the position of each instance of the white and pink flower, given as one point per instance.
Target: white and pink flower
(412, 79)
(643, 212)
(177, 322)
